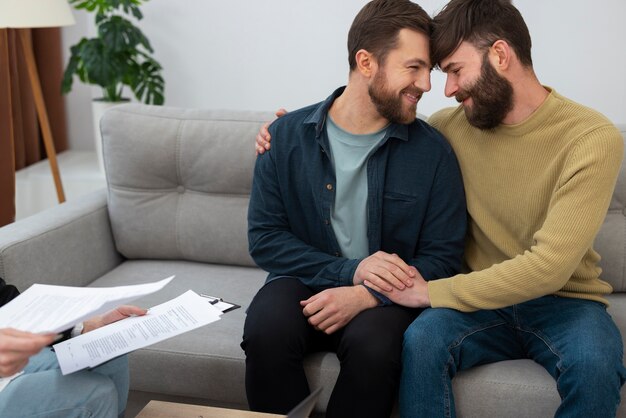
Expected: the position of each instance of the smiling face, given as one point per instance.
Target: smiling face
(486, 96)
(400, 81)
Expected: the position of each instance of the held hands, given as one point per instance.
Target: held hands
(412, 297)
(331, 309)
(263, 138)
(385, 271)
(114, 315)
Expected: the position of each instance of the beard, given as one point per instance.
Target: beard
(391, 105)
(492, 97)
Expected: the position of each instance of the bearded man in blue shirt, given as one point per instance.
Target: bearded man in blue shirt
(353, 187)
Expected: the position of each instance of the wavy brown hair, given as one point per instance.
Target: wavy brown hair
(375, 28)
(481, 23)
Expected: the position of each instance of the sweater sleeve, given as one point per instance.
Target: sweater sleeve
(576, 211)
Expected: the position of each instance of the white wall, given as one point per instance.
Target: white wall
(261, 55)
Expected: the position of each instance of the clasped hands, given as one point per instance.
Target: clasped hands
(331, 309)
(16, 347)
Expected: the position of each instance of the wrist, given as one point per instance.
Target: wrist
(90, 325)
(77, 330)
(426, 296)
(369, 299)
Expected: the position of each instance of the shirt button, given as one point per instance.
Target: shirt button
(326, 222)
(337, 254)
(329, 186)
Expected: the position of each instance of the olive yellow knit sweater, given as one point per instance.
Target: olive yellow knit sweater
(537, 193)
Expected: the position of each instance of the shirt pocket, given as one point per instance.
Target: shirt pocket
(400, 216)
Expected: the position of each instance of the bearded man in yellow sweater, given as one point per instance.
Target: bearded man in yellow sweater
(539, 172)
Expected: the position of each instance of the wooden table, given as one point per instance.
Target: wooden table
(158, 409)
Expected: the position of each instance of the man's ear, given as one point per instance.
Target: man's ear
(365, 63)
(500, 55)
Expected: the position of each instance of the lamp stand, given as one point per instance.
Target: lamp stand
(41, 112)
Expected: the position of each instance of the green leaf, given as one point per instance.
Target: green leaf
(101, 66)
(120, 34)
(68, 75)
(149, 85)
(120, 55)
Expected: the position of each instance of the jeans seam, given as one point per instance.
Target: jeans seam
(447, 387)
(472, 331)
(456, 343)
(559, 365)
(84, 410)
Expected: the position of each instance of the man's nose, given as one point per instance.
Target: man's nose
(452, 87)
(423, 82)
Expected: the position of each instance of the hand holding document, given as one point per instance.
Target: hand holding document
(184, 313)
(52, 309)
(47, 308)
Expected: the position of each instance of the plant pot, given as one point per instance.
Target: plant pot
(98, 107)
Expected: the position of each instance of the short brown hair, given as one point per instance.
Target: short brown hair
(481, 23)
(375, 28)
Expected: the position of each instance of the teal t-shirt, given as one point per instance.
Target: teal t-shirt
(349, 155)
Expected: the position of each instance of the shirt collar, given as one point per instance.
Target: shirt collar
(318, 118)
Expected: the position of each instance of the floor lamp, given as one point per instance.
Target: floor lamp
(22, 15)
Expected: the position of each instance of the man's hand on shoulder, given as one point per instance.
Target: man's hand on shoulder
(16, 347)
(386, 271)
(331, 309)
(115, 315)
(263, 138)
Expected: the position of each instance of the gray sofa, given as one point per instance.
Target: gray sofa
(176, 204)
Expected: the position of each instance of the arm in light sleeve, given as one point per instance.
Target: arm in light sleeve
(576, 211)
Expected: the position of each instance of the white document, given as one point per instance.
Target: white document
(47, 308)
(184, 313)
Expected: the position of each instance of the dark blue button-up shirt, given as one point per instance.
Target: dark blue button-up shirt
(415, 204)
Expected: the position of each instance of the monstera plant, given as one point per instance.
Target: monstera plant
(120, 55)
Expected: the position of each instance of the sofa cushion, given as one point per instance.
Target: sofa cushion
(207, 362)
(179, 181)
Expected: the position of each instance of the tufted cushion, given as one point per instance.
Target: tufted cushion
(611, 240)
(179, 181)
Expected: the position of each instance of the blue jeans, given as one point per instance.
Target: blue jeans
(575, 340)
(42, 391)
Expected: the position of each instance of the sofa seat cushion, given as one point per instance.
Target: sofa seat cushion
(519, 388)
(206, 362)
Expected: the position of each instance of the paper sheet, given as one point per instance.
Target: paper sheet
(48, 308)
(184, 313)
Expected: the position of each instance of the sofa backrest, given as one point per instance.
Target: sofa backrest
(611, 240)
(179, 181)
(179, 184)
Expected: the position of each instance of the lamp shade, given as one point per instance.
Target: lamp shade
(35, 13)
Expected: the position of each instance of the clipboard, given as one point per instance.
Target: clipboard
(220, 303)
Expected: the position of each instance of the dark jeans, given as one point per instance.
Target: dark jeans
(277, 337)
(574, 339)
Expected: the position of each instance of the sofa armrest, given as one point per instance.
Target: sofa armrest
(69, 245)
